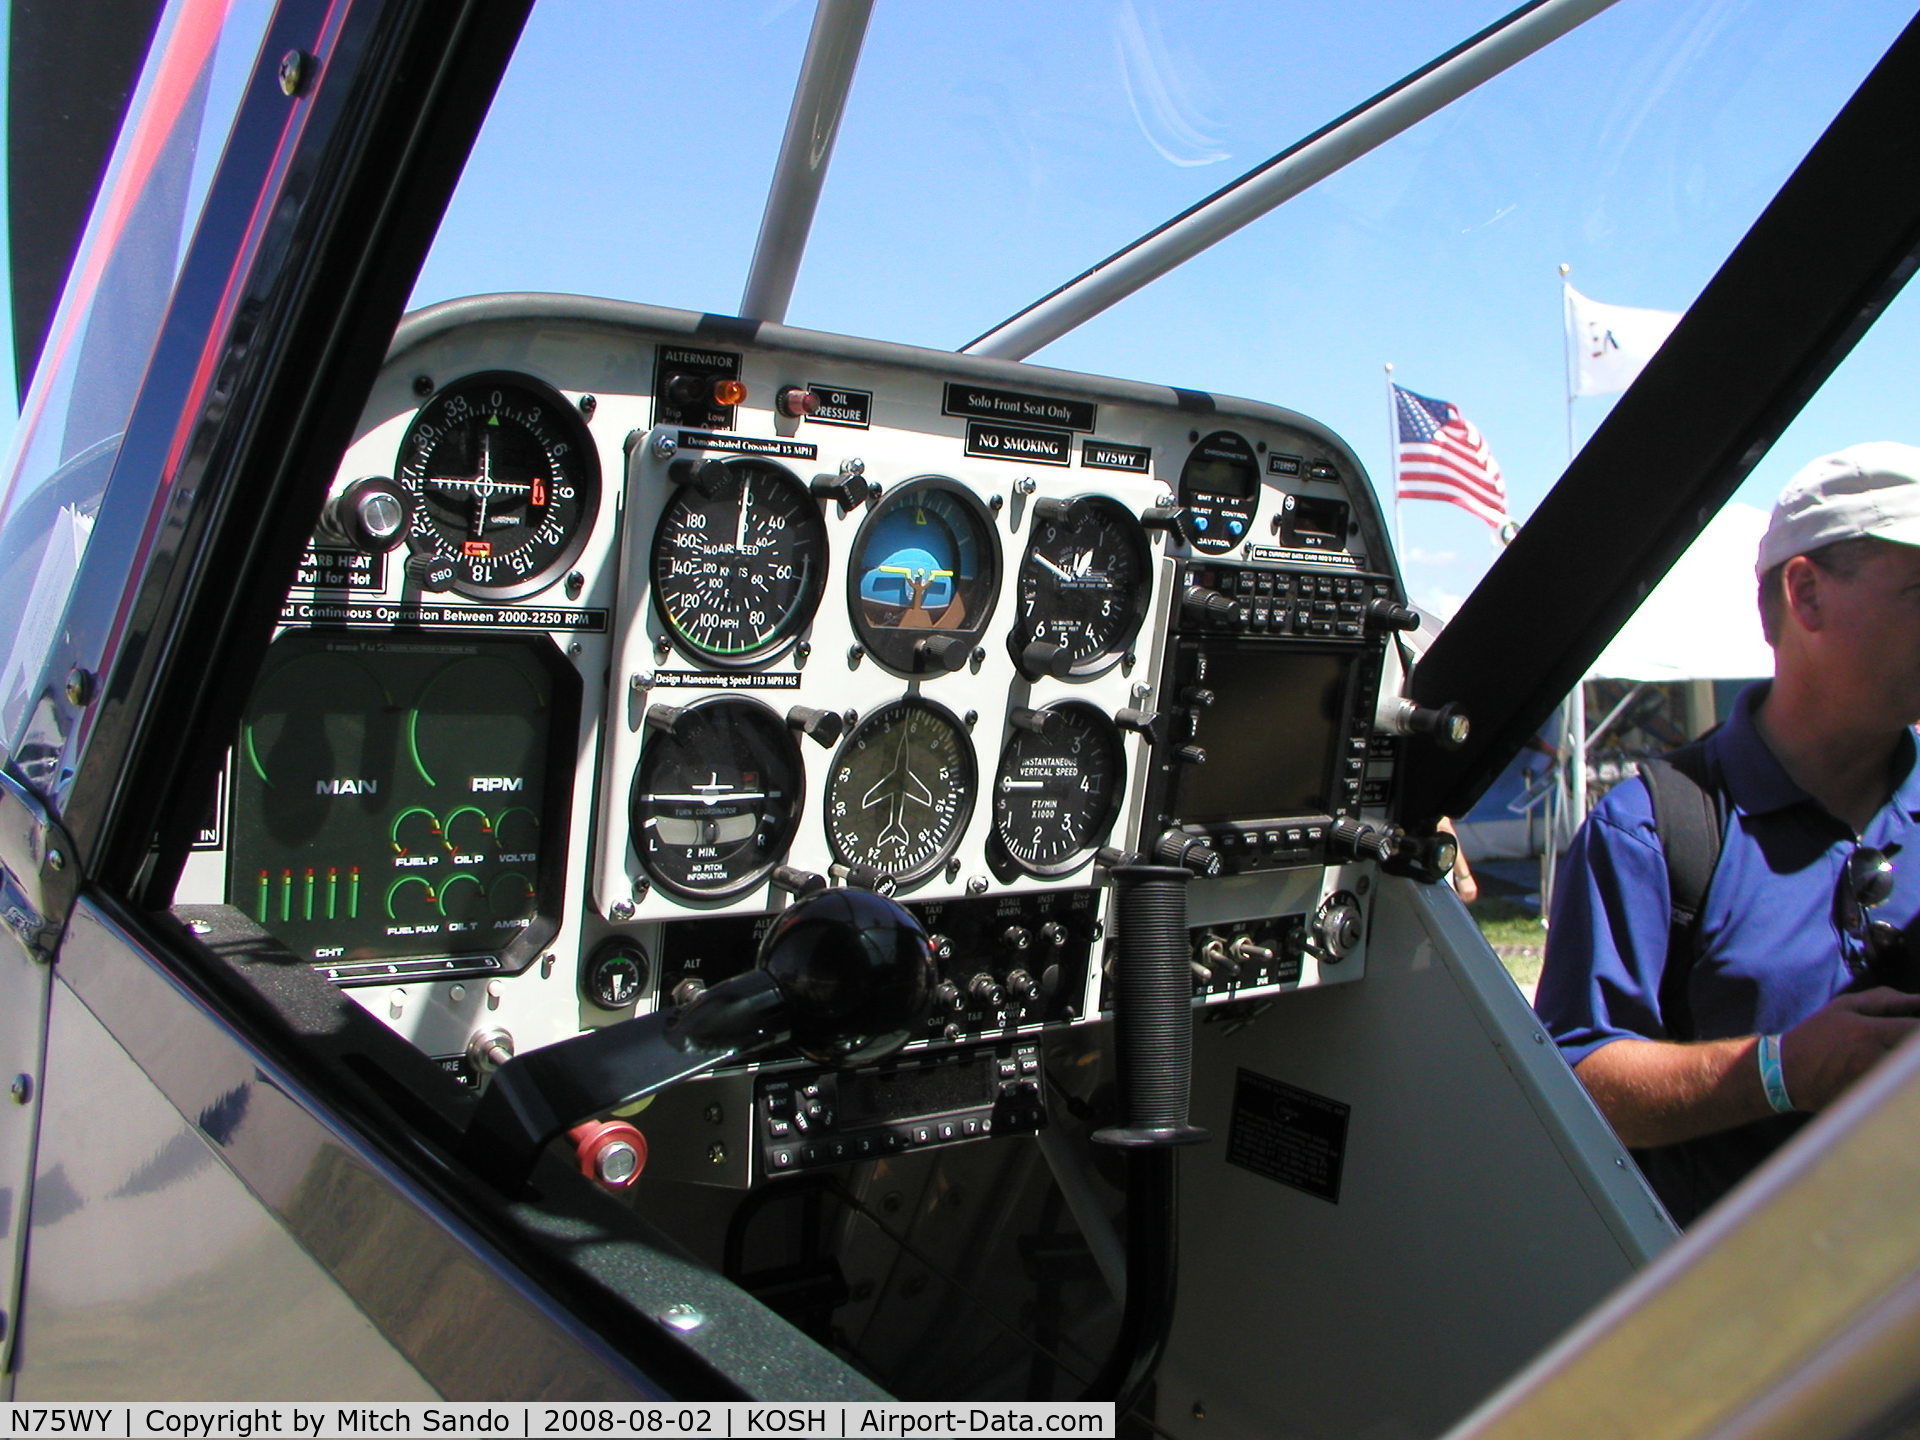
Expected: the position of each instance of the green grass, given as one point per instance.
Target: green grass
(1516, 935)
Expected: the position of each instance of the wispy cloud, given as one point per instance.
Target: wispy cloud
(1169, 95)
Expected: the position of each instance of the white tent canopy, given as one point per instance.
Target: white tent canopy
(1701, 622)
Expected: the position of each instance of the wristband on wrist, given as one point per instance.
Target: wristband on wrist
(1772, 1079)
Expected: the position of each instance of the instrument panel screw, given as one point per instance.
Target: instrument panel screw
(588, 404)
(79, 687)
(972, 718)
(576, 582)
(853, 465)
(715, 1114)
(997, 503)
(1025, 485)
(854, 654)
(977, 885)
(21, 1089)
(293, 73)
(55, 860)
(423, 385)
(621, 912)
(716, 1154)
(573, 648)
(664, 447)
(682, 1317)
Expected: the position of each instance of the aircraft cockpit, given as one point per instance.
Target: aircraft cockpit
(734, 859)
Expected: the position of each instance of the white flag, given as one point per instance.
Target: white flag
(1611, 342)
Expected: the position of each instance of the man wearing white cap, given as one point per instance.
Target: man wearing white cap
(1706, 1041)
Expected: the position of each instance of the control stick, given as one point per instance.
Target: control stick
(846, 975)
(1153, 1051)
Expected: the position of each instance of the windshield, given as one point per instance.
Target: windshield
(68, 434)
(990, 152)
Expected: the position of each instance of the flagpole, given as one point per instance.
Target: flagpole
(1393, 470)
(1566, 352)
(1574, 731)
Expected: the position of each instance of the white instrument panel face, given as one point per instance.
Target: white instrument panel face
(790, 611)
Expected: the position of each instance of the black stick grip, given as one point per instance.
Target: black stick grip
(1152, 1008)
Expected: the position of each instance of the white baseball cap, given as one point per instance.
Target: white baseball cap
(1870, 489)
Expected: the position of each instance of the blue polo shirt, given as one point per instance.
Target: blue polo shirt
(1771, 948)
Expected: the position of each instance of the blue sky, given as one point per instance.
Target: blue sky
(994, 148)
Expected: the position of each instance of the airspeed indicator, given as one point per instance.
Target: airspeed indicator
(739, 558)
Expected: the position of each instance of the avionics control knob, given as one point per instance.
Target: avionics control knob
(370, 515)
(1037, 722)
(1049, 508)
(1160, 517)
(1337, 929)
(821, 726)
(1021, 986)
(1385, 614)
(1176, 847)
(1016, 937)
(1361, 840)
(940, 653)
(851, 488)
(1054, 934)
(1044, 657)
(1445, 723)
(801, 884)
(987, 990)
(1202, 604)
(946, 996)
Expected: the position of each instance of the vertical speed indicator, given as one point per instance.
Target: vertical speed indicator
(505, 483)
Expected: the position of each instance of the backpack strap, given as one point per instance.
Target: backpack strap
(1689, 816)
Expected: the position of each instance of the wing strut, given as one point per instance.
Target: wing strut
(826, 75)
(1293, 170)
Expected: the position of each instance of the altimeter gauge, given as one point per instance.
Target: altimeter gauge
(716, 797)
(739, 559)
(505, 485)
(901, 790)
(1083, 588)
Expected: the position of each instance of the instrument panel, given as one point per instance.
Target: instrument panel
(625, 627)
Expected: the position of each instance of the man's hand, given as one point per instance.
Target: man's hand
(1841, 1041)
(1656, 1092)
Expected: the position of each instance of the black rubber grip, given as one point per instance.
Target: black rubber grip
(1153, 1007)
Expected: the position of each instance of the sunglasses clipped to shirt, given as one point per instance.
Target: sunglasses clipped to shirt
(1881, 958)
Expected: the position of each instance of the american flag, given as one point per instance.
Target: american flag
(1444, 457)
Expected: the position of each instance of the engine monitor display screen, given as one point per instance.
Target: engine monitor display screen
(1272, 734)
(394, 799)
